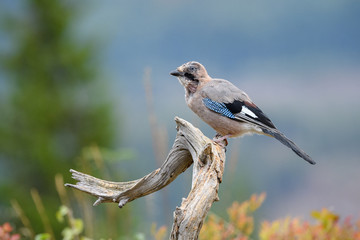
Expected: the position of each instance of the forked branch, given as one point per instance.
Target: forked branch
(190, 146)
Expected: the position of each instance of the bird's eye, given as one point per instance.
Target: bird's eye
(192, 69)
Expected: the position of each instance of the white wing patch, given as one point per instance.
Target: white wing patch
(245, 110)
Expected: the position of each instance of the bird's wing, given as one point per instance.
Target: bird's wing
(240, 111)
(223, 97)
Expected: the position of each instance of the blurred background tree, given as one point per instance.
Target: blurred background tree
(55, 104)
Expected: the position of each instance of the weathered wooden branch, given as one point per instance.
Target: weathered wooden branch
(190, 146)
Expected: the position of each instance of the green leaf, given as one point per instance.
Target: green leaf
(43, 236)
(61, 213)
(78, 226)
(68, 234)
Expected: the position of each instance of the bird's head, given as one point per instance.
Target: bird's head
(190, 74)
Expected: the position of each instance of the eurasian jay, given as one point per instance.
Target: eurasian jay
(226, 108)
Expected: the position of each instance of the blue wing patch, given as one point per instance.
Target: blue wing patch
(218, 107)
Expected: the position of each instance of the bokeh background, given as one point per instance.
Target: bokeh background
(88, 80)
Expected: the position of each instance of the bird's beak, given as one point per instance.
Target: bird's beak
(176, 73)
(180, 77)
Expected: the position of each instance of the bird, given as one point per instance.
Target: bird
(226, 108)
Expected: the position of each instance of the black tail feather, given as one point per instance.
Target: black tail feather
(290, 144)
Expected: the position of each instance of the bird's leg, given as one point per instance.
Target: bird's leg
(219, 139)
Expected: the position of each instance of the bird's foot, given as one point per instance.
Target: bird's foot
(221, 140)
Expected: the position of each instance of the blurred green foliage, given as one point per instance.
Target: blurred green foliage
(55, 104)
(106, 222)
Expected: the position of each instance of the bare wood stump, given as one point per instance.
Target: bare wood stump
(190, 146)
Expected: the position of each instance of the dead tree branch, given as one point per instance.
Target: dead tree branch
(190, 146)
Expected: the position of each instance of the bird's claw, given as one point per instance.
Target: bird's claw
(221, 140)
